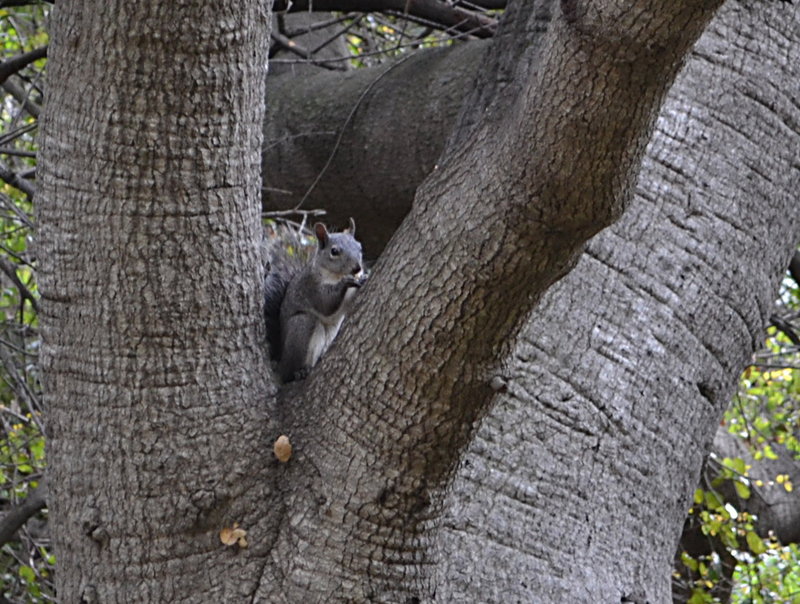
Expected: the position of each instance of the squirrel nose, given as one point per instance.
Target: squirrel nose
(357, 269)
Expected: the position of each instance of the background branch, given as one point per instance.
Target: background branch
(13, 65)
(432, 11)
(19, 515)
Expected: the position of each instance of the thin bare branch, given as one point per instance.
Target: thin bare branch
(444, 15)
(15, 64)
(11, 272)
(20, 514)
(15, 181)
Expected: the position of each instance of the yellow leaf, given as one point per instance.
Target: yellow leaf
(226, 536)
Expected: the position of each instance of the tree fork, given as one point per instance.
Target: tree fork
(488, 233)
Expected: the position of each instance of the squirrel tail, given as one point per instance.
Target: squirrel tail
(274, 290)
(282, 268)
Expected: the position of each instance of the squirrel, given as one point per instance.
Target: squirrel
(305, 304)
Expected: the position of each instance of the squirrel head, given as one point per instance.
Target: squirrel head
(339, 254)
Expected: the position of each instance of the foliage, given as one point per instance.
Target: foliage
(746, 562)
(371, 38)
(26, 562)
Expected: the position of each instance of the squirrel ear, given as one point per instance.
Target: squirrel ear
(322, 234)
(352, 228)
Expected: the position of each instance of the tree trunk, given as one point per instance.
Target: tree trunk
(586, 466)
(643, 341)
(382, 422)
(155, 373)
(598, 414)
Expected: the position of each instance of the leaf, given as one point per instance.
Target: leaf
(27, 574)
(713, 502)
(755, 543)
(742, 490)
(226, 535)
(688, 561)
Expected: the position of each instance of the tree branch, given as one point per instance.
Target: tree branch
(22, 97)
(794, 267)
(10, 3)
(432, 11)
(15, 64)
(19, 515)
(11, 272)
(15, 181)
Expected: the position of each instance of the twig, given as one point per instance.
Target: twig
(19, 515)
(346, 123)
(302, 51)
(292, 212)
(17, 153)
(16, 133)
(438, 12)
(15, 181)
(18, 92)
(15, 64)
(11, 271)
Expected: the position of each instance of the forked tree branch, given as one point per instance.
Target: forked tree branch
(499, 220)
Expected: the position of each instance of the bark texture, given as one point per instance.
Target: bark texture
(380, 431)
(617, 384)
(621, 375)
(151, 294)
(599, 413)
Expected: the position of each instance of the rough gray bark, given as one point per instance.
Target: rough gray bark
(778, 510)
(715, 192)
(153, 357)
(382, 421)
(620, 378)
(169, 446)
(322, 146)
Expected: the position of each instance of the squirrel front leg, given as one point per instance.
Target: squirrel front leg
(330, 297)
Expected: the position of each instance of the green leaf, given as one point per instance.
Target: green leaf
(769, 453)
(688, 561)
(713, 502)
(27, 574)
(742, 490)
(755, 543)
(699, 597)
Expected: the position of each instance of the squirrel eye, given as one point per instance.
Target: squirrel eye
(335, 251)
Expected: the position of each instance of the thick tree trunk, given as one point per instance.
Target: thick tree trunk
(382, 422)
(326, 137)
(150, 271)
(586, 467)
(655, 324)
(575, 487)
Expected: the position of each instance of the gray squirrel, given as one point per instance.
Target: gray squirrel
(305, 304)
